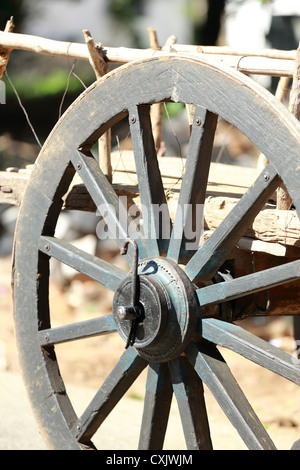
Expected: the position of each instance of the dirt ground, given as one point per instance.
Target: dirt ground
(275, 400)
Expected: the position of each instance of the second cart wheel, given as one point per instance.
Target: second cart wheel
(173, 323)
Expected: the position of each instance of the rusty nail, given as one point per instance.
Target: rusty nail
(47, 247)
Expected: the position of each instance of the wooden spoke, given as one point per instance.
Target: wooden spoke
(249, 284)
(214, 371)
(115, 386)
(218, 247)
(193, 187)
(255, 349)
(189, 393)
(96, 268)
(156, 407)
(157, 225)
(105, 199)
(84, 329)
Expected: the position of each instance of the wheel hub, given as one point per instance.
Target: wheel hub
(166, 310)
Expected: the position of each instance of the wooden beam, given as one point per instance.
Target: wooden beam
(281, 63)
(5, 51)
(284, 200)
(100, 68)
(280, 94)
(271, 226)
(157, 108)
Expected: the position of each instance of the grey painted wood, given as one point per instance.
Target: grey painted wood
(75, 331)
(194, 182)
(152, 192)
(255, 349)
(218, 248)
(214, 371)
(189, 393)
(250, 284)
(101, 271)
(121, 378)
(157, 405)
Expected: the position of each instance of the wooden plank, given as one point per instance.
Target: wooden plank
(276, 230)
(12, 187)
(270, 225)
(220, 180)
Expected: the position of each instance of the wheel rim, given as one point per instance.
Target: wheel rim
(192, 294)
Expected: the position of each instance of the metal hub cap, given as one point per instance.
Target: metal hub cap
(166, 310)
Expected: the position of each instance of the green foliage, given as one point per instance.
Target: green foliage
(172, 109)
(35, 87)
(125, 10)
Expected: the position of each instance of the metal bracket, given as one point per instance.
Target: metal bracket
(134, 311)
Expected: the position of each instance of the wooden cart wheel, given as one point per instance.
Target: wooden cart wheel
(177, 332)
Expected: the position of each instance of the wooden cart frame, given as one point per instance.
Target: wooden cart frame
(175, 305)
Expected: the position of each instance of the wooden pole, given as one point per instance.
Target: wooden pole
(225, 50)
(280, 94)
(5, 51)
(284, 200)
(157, 108)
(264, 62)
(100, 68)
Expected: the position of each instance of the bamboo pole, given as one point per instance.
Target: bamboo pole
(225, 50)
(100, 68)
(5, 51)
(264, 62)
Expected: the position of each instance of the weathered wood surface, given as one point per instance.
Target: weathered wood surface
(284, 200)
(273, 231)
(100, 68)
(270, 225)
